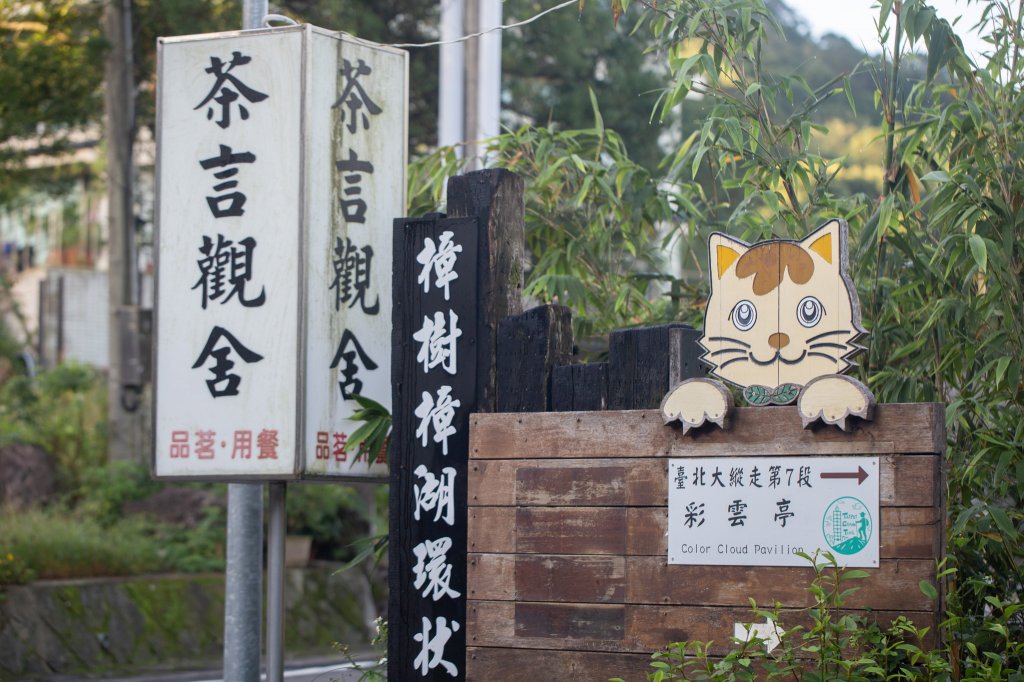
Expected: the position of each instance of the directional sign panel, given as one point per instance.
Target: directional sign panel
(763, 511)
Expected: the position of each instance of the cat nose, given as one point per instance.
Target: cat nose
(778, 341)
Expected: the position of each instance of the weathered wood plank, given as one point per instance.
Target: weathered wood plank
(627, 628)
(581, 388)
(492, 529)
(684, 354)
(494, 197)
(529, 346)
(906, 532)
(593, 579)
(649, 580)
(911, 532)
(522, 665)
(893, 584)
(590, 530)
(569, 621)
(531, 665)
(491, 576)
(637, 367)
(905, 481)
(910, 481)
(755, 431)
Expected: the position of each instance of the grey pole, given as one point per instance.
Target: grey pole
(275, 581)
(243, 589)
(253, 12)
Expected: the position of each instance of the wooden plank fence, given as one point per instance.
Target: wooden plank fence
(567, 536)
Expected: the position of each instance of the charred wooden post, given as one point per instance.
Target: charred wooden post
(580, 388)
(643, 363)
(530, 346)
(454, 279)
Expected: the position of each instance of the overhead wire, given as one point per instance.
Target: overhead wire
(503, 27)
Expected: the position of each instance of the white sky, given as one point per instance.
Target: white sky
(854, 19)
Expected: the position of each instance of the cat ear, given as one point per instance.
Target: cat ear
(827, 241)
(723, 251)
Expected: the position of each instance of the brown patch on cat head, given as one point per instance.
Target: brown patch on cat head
(768, 263)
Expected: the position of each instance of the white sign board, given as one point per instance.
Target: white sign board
(281, 158)
(761, 511)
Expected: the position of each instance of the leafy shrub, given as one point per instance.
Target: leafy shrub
(58, 544)
(840, 646)
(335, 516)
(104, 490)
(14, 571)
(64, 411)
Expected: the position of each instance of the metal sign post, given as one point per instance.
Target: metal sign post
(242, 574)
(275, 580)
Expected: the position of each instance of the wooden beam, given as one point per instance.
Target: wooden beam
(756, 431)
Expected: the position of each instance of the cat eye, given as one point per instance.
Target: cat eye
(809, 311)
(744, 315)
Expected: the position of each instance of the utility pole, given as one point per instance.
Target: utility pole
(127, 412)
(451, 128)
(470, 76)
(488, 74)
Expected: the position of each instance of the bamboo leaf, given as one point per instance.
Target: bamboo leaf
(979, 251)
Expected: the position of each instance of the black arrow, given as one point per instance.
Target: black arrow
(859, 474)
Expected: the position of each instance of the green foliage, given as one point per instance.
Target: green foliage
(376, 672)
(58, 545)
(51, 55)
(370, 439)
(88, 535)
(105, 489)
(51, 67)
(14, 571)
(831, 644)
(752, 166)
(63, 411)
(335, 516)
(549, 67)
(592, 217)
(592, 221)
(196, 549)
(946, 292)
(938, 257)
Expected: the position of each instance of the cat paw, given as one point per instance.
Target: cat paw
(834, 398)
(695, 402)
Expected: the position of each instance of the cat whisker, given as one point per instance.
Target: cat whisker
(837, 346)
(727, 350)
(725, 364)
(822, 355)
(730, 340)
(831, 333)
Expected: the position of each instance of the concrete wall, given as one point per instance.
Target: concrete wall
(109, 627)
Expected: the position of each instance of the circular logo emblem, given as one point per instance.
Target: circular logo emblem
(847, 525)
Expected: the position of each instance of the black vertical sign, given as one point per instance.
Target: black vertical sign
(434, 375)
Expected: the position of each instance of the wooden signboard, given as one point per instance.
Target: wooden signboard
(568, 569)
(455, 277)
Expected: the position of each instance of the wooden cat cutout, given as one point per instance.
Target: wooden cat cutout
(782, 323)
